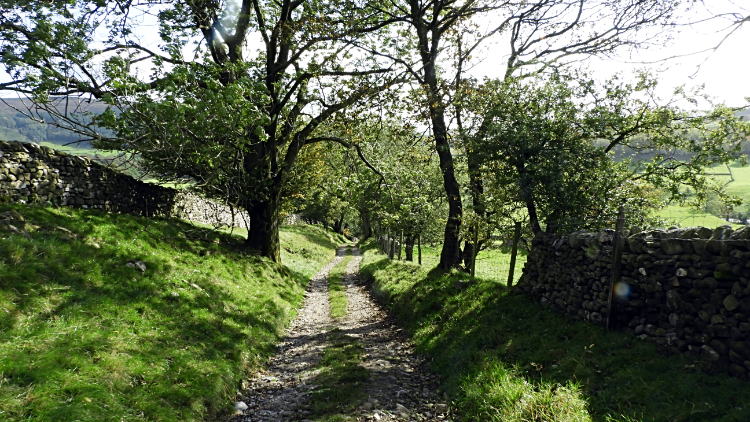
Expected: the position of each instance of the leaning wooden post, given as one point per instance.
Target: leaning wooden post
(616, 264)
(400, 242)
(474, 251)
(419, 248)
(514, 253)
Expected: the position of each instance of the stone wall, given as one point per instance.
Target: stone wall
(687, 290)
(30, 173)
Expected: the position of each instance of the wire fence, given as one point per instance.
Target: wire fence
(494, 260)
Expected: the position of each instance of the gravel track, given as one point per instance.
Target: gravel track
(399, 388)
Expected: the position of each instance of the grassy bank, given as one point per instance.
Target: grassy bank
(503, 358)
(336, 288)
(86, 337)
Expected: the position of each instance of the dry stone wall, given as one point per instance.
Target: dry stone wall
(33, 174)
(687, 290)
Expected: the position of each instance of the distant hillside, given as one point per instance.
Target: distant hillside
(15, 126)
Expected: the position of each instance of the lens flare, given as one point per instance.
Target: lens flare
(622, 290)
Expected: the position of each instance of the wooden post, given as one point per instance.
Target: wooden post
(388, 244)
(616, 264)
(419, 248)
(474, 251)
(514, 253)
(400, 242)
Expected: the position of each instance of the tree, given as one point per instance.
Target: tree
(398, 189)
(542, 34)
(548, 144)
(202, 105)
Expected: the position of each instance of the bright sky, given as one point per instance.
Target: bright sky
(724, 72)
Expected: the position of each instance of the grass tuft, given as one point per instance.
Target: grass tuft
(336, 288)
(340, 379)
(504, 392)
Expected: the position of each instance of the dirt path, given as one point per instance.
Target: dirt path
(399, 388)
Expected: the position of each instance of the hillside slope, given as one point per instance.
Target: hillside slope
(87, 334)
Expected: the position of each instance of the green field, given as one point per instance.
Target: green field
(78, 150)
(86, 337)
(688, 217)
(492, 264)
(740, 186)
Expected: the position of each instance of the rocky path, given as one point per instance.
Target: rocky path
(399, 387)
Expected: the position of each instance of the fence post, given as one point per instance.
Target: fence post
(514, 253)
(391, 248)
(400, 242)
(419, 248)
(616, 264)
(474, 251)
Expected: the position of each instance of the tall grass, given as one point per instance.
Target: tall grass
(84, 336)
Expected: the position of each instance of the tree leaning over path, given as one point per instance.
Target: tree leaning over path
(540, 35)
(227, 99)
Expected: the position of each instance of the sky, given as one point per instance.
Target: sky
(725, 73)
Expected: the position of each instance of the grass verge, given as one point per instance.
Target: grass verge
(503, 358)
(340, 379)
(492, 264)
(336, 289)
(86, 337)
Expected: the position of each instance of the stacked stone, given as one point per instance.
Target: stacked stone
(687, 290)
(190, 206)
(24, 177)
(30, 173)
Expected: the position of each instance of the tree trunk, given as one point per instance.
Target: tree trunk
(338, 225)
(527, 196)
(467, 253)
(409, 248)
(263, 236)
(428, 51)
(450, 254)
(366, 227)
